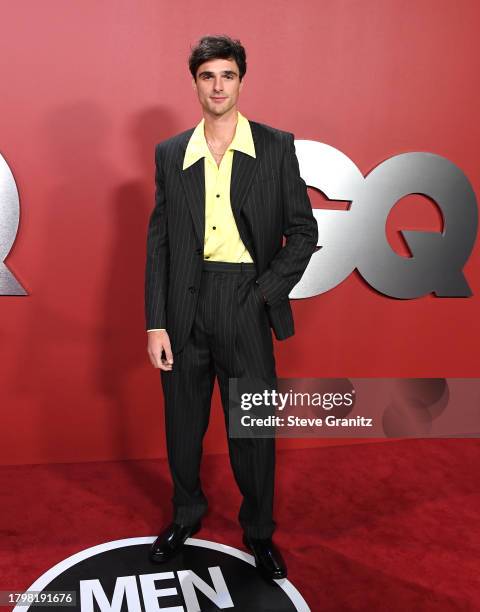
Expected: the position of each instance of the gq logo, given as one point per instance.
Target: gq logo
(356, 238)
(9, 215)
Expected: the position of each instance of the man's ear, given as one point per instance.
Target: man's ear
(194, 85)
(240, 86)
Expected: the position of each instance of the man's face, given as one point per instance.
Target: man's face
(218, 86)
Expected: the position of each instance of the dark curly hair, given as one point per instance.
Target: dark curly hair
(217, 47)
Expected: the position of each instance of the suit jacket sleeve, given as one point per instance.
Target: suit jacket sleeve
(299, 228)
(157, 262)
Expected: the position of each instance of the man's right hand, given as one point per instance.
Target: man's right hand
(159, 342)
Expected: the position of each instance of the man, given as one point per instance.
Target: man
(217, 280)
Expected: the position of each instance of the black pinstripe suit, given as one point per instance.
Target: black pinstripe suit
(217, 324)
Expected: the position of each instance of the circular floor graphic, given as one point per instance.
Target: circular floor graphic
(118, 577)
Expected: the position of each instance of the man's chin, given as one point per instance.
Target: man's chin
(219, 109)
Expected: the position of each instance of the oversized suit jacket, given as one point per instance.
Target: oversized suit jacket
(269, 202)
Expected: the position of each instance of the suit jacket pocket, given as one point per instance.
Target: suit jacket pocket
(281, 319)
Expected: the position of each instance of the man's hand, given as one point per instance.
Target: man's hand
(259, 292)
(159, 342)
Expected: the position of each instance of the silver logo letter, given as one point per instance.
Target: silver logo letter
(9, 216)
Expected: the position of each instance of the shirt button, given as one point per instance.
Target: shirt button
(214, 227)
(218, 195)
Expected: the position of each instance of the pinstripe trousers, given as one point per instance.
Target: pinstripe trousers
(230, 338)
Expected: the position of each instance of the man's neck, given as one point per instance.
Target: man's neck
(221, 128)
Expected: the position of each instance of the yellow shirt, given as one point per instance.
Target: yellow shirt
(222, 241)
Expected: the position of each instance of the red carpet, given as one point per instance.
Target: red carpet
(384, 526)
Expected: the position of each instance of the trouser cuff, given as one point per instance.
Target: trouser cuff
(189, 515)
(259, 531)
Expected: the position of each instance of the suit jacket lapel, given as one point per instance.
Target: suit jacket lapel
(243, 171)
(193, 179)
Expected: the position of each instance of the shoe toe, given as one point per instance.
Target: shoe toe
(279, 573)
(170, 541)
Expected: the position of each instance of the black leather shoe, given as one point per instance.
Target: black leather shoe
(268, 558)
(171, 540)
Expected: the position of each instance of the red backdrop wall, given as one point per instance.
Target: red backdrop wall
(88, 88)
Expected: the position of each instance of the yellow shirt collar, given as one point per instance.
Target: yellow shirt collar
(197, 145)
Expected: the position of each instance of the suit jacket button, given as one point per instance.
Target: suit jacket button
(199, 251)
(191, 289)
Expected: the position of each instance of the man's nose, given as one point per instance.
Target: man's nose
(218, 85)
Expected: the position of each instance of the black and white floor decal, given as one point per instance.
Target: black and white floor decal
(206, 576)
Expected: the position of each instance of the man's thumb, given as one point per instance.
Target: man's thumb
(169, 355)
